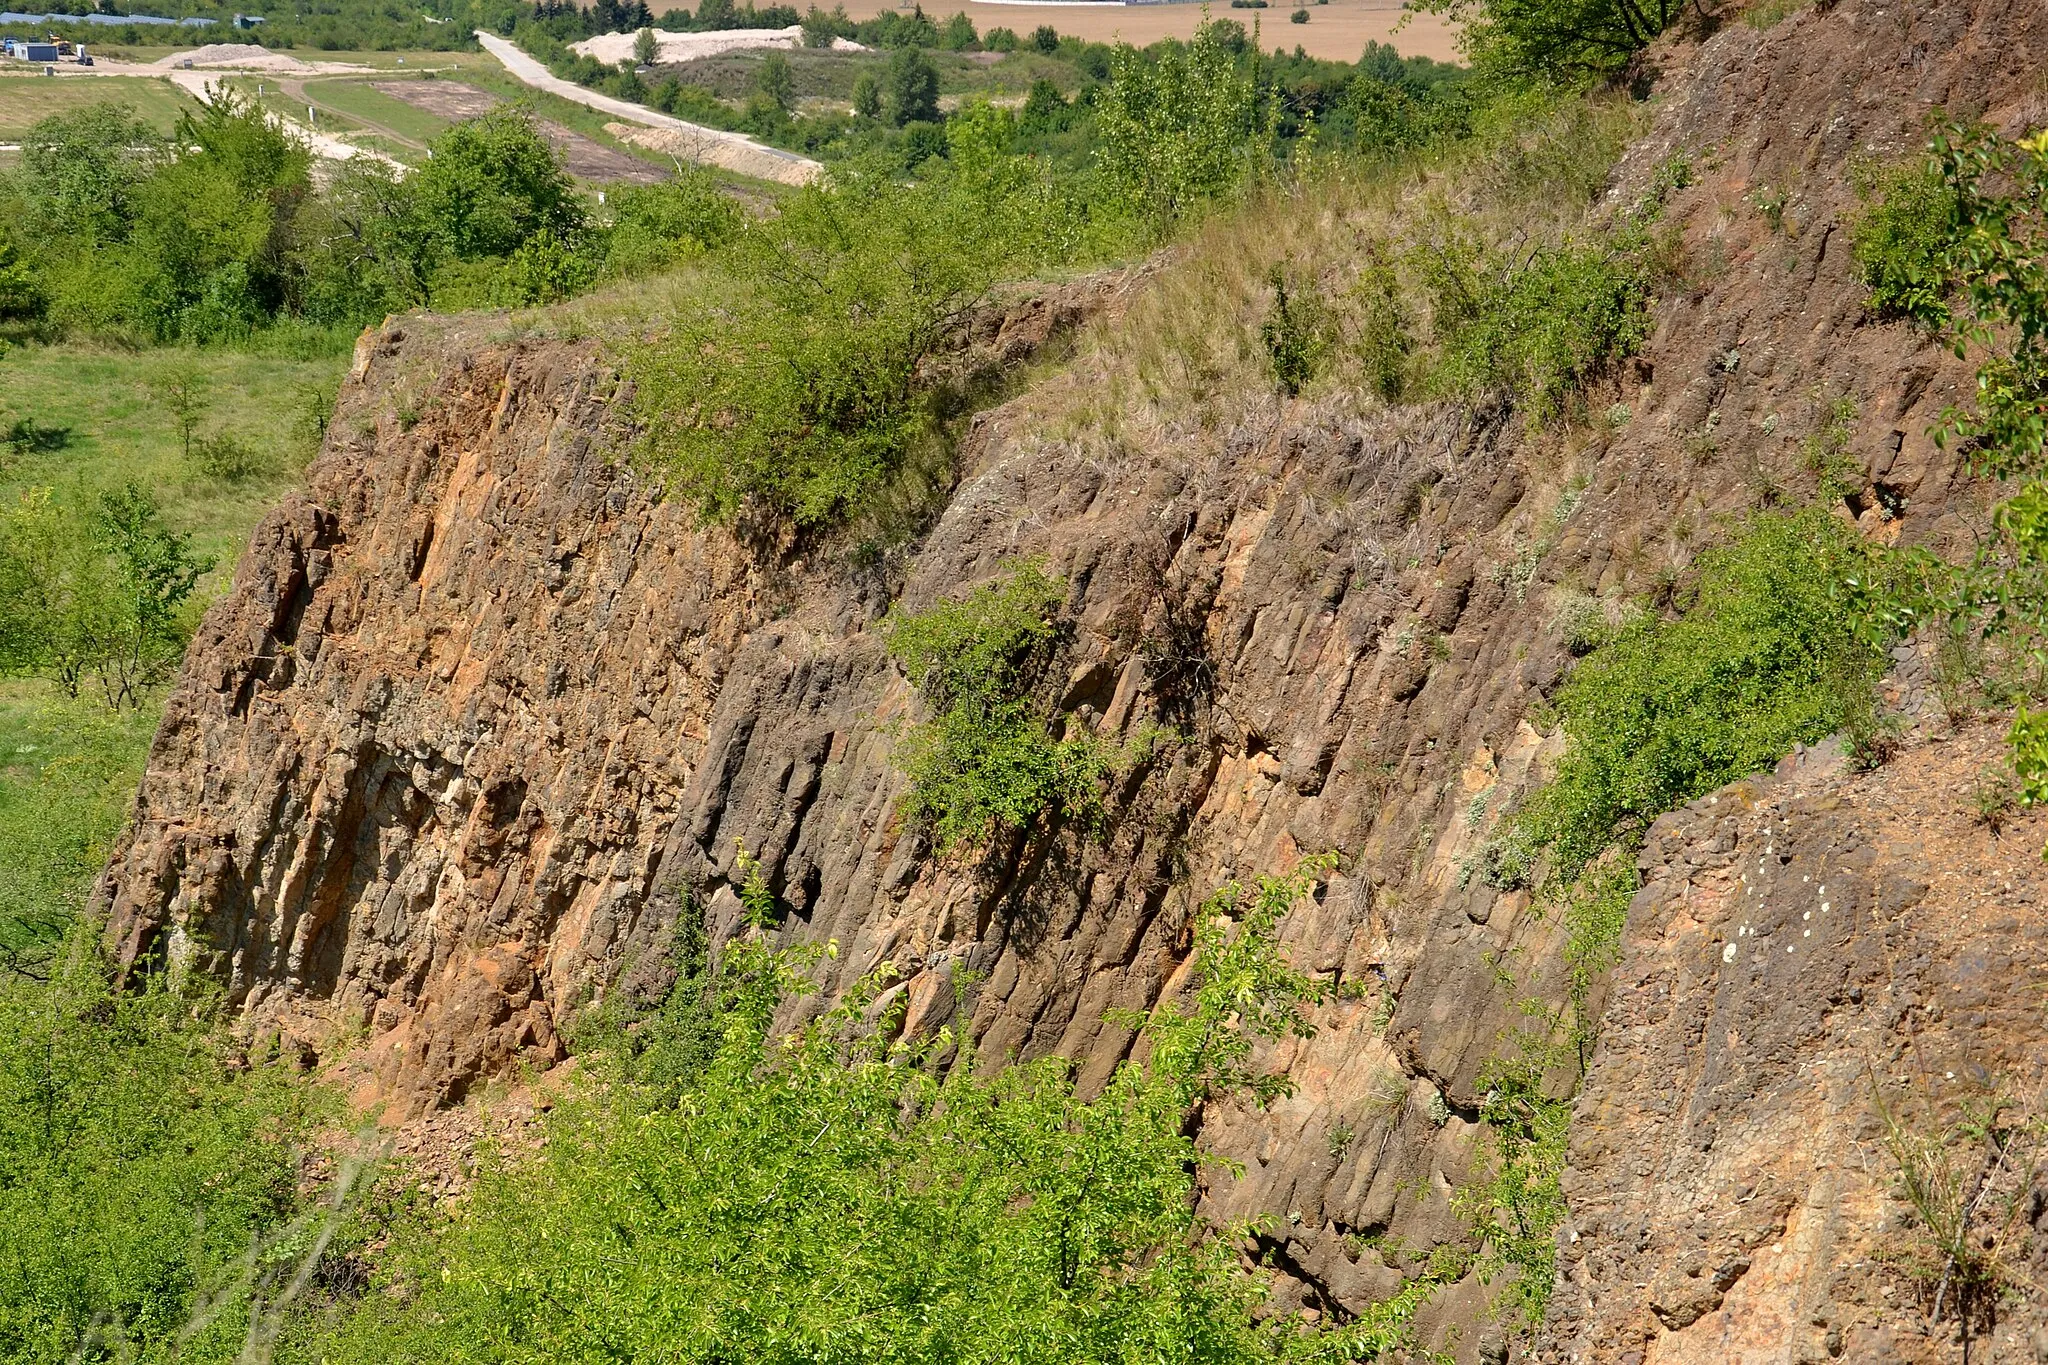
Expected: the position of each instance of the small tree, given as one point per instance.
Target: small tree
(1175, 130)
(775, 83)
(182, 393)
(646, 48)
(94, 591)
(1045, 38)
(957, 34)
(913, 88)
(867, 96)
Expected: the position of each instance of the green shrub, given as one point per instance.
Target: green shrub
(1385, 340)
(987, 760)
(148, 1182)
(1538, 330)
(1768, 652)
(229, 458)
(835, 1195)
(653, 226)
(1900, 242)
(798, 392)
(1296, 333)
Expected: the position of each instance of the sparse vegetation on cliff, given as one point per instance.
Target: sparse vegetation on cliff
(1763, 654)
(1958, 244)
(986, 759)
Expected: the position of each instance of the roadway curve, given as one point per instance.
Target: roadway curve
(692, 141)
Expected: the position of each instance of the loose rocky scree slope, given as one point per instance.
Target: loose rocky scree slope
(482, 716)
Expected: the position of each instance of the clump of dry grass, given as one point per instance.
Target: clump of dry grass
(1970, 1185)
(1188, 356)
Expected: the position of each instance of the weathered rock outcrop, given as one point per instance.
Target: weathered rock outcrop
(482, 716)
(1811, 954)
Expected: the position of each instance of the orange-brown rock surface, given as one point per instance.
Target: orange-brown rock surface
(482, 716)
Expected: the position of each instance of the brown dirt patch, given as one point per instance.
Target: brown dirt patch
(1337, 31)
(444, 99)
(587, 160)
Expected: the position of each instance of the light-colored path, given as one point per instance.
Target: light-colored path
(200, 84)
(711, 146)
(324, 145)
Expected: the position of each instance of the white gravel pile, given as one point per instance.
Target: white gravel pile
(242, 56)
(613, 48)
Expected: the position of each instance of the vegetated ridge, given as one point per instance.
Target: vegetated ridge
(484, 716)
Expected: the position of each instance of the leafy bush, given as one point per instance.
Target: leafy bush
(833, 1195)
(798, 394)
(658, 225)
(1769, 652)
(1537, 331)
(986, 760)
(94, 591)
(148, 1181)
(1901, 241)
(1178, 127)
(1389, 117)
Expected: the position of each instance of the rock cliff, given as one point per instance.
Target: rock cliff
(482, 716)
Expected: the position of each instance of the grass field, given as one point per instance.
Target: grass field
(116, 430)
(27, 100)
(68, 768)
(361, 101)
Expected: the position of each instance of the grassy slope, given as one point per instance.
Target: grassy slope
(68, 769)
(25, 100)
(831, 75)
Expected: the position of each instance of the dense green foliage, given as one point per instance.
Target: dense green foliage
(1178, 128)
(829, 1196)
(1516, 41)
(1901, 242)
(218, 231)
(986, 760)
(1765, 654)
(1537, 330)
(148, 1182)
(94, 594)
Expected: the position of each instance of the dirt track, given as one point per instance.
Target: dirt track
(587, 160)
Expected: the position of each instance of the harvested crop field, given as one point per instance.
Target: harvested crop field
(1337, 31)
(587, 160)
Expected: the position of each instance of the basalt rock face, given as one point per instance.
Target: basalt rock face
(483, 716)
(1814, 956)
